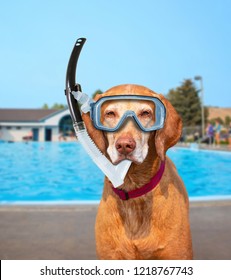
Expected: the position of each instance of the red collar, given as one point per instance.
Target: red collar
(124, 195)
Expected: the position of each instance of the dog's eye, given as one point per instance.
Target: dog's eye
(109, 114)
(145, 114)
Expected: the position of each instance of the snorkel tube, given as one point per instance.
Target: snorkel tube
(71, 85)
(115, 173)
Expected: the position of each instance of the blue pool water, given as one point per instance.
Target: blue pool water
(55, 172)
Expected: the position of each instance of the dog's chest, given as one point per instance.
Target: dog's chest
(136, 218)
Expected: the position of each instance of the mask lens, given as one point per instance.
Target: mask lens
(110, 113)
(146, 113)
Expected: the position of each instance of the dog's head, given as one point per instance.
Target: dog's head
(130, 142)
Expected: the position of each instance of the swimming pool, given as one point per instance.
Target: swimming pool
(63, 172)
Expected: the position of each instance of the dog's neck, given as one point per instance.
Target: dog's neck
(137, 225)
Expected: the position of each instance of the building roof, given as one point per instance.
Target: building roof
(26, 115)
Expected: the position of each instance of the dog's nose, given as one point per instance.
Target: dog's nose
(125, 145)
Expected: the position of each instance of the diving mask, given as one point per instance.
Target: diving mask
(109, 113)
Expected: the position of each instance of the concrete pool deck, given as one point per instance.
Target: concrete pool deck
(67, 231)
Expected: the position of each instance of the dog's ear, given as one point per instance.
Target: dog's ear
(170, 133)
(95, 134)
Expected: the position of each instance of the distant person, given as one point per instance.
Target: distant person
(30, 135)
(196, 136)
(217, 129)
(72, 135)
(210, 133)
(229, 135)
(60, 136)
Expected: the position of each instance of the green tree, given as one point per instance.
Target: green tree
(55, 106)
(58, 106)
(227, 120)
(206, 114)
(187, 103)
(219, 119)
(98, 91)
(45, 106)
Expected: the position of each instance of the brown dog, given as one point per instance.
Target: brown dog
(156, 224)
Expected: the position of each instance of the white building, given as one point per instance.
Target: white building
(35, 124)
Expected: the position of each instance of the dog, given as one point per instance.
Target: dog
(156, 224)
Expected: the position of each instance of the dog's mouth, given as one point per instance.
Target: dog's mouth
(132, 158)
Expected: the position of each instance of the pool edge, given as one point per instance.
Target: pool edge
(96, 202)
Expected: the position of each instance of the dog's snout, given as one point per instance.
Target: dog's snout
(125, 145)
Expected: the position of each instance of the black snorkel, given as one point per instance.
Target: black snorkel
(75, 96)
(71, 84)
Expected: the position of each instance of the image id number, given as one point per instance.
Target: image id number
(160, 270)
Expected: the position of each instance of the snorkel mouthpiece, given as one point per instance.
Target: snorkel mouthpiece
(115, 173)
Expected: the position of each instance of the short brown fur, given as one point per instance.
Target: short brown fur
(155, 225)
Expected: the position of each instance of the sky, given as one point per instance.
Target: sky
(153, 43)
